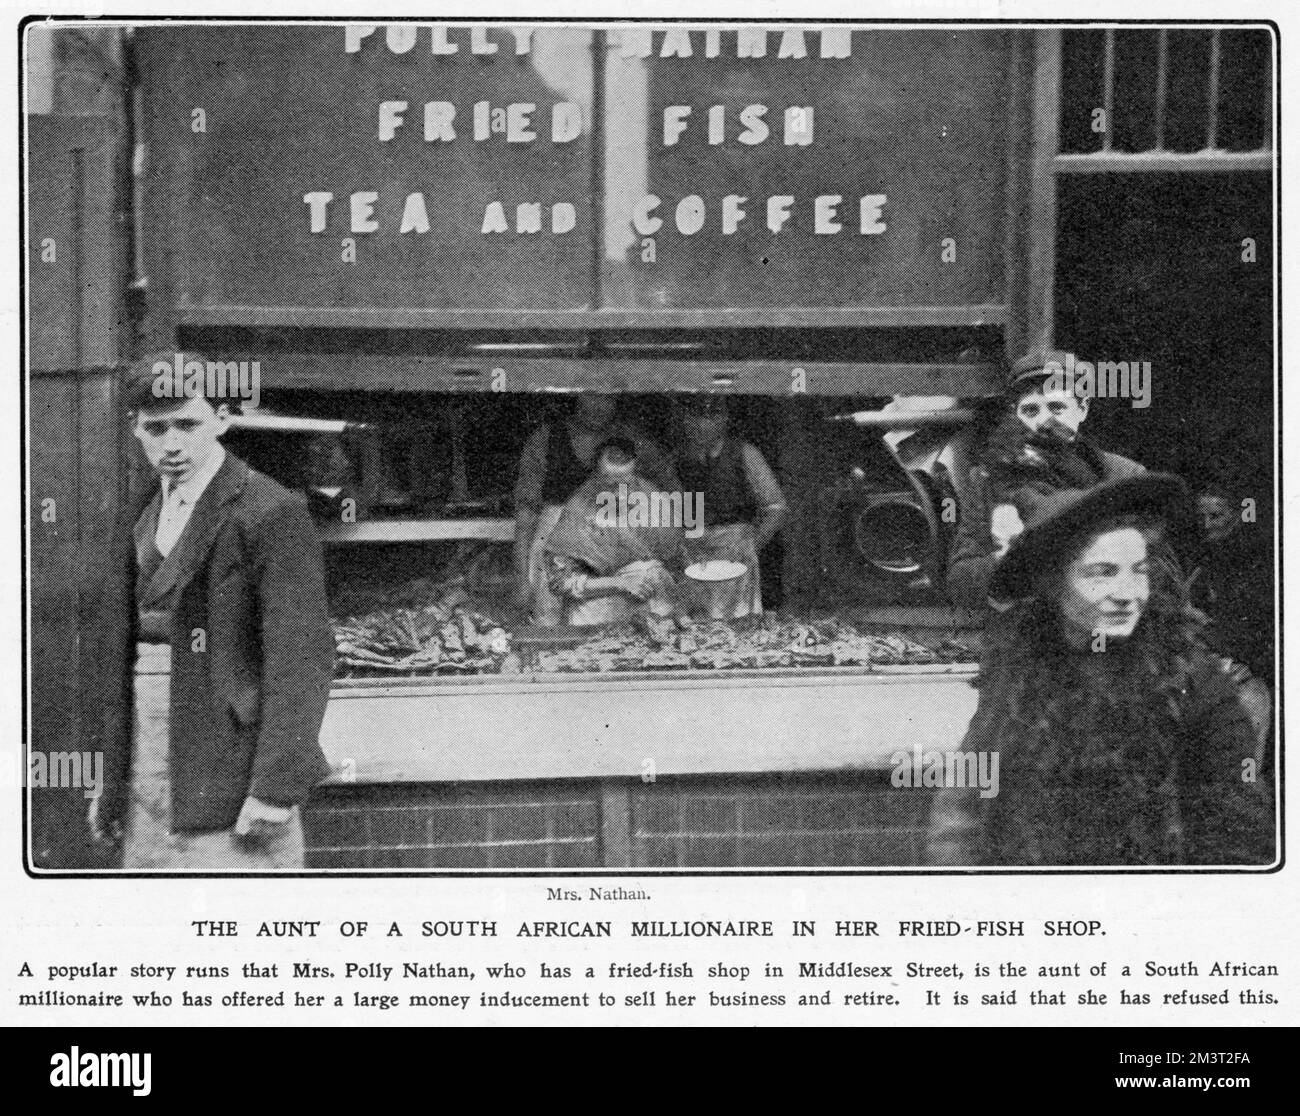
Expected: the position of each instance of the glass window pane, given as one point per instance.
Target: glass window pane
(804, 181)
(290, 111)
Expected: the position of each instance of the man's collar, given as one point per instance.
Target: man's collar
(196, 541)
(193, 486)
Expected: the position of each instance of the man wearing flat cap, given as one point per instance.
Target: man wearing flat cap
(1035, 449)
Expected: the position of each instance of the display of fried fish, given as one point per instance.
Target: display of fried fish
(446, 634)
(773, 641)
(440, 637)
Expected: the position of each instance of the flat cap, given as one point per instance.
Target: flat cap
(1039, 362)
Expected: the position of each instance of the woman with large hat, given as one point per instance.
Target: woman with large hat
(1118, 737)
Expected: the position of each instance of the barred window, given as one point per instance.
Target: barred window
(1166, 100)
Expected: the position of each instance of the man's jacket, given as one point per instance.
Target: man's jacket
(252, 654)
(971, 560)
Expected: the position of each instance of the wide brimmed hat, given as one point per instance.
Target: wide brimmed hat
(1057, 518)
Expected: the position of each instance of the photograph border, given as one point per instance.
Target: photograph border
(591, 874)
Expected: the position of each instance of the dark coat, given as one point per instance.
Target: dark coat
(1209, 808)
(252, 654)
(1233, 585)
(971, 560)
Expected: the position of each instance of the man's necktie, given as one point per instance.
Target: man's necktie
(171, 521)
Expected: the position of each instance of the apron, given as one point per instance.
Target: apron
(148, 842)
(548, 609)
(731, 600)
(620, 607)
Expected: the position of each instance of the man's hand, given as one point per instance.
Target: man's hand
(260, 822)
(638, 583)
(1004, 525)
(644, 580)
(1238, 672)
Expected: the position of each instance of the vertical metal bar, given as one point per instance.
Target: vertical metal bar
(599, 45)
(1108, 87)
(1212, 96)
(1162, 85)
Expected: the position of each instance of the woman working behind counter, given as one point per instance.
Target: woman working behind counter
(556, 461)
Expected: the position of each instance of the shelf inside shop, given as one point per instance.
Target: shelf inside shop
(418, 530)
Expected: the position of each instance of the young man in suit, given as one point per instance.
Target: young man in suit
(216, 649)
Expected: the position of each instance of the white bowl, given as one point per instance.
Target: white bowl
(718, 569)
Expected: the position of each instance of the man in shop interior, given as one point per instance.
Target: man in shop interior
(1232, 583)
(743, 506)
(1035, 448)
(216, 649)
(556, 461)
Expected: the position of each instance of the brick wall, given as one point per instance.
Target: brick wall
(810, 822)
(455, 826)
(711, 822)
